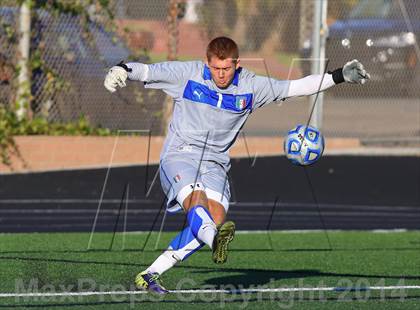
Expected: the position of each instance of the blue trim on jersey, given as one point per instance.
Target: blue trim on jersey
(201, 93)
(235, 80)
(207, 75)
(164, 173)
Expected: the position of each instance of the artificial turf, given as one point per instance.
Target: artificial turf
(56, 262)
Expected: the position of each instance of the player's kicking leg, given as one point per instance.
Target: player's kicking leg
(205, 209)
(201, 230)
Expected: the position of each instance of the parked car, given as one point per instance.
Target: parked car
(383, 38)
(82, 62)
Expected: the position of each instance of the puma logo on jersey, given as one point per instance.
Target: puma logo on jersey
(197, 93)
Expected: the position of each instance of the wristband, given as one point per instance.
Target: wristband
(337, 75)
(124, 66)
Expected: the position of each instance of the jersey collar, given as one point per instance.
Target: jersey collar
(207, 75)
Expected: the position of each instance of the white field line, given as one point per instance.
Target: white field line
(212, 291)
(292, 231)
(250, 204)
(73, 201)
(306, 231)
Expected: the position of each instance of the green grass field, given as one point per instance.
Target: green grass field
(60, 263)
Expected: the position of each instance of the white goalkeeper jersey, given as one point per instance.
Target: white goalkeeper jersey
(206, 120)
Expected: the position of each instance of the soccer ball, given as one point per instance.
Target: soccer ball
(304, 145)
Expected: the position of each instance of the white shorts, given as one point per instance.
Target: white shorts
(180, 176)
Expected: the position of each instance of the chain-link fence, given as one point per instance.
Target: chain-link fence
(7, 55)
(383, 35)
(275, 38)
(69, 59)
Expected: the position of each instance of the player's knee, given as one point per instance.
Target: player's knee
(197, 197)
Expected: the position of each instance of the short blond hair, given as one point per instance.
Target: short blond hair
(222, 48)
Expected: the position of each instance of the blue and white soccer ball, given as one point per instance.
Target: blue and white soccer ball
(304, 145)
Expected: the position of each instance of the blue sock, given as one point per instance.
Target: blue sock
(185, 244)
(202, 224)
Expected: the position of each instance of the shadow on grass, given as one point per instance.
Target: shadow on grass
(256, 277)
(248, 276)
(70, 261)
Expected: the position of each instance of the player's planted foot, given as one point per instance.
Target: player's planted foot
(151, 282)
(224, 236)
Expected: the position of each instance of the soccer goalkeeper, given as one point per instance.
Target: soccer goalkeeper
(212, 101)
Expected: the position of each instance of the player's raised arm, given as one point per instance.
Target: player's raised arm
(168, 76)
(352, 72)
(268, 90)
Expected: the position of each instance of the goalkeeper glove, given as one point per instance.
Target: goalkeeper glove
(352, 72)
(116, 76)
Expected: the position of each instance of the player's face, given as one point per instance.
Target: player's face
(222, 71)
